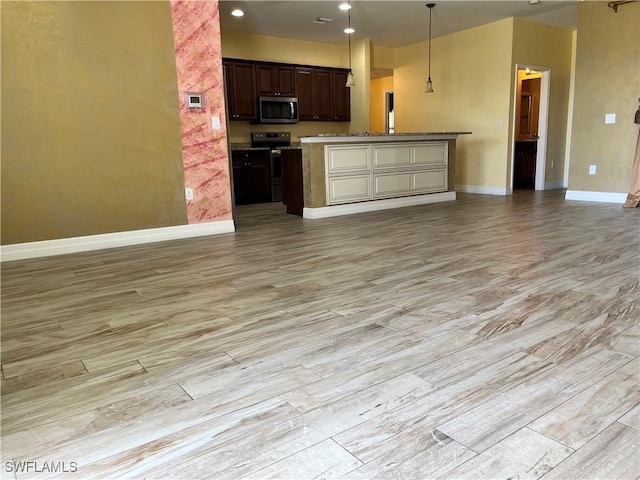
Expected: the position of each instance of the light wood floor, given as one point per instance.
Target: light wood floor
(491, 337)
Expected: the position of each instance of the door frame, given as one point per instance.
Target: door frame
(543, 122)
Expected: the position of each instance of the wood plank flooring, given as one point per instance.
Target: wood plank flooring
(490, 337)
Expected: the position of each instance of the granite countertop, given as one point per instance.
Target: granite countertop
(382, 134)
(364, 136)
(247, 146)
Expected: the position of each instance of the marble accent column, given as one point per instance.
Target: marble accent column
(198, 52)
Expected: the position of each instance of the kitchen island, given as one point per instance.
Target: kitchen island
(353, 173)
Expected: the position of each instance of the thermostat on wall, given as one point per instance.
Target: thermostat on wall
(195, 100)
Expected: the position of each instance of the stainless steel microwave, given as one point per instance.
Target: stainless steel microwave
(277, 109)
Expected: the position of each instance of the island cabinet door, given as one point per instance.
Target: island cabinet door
(347, 159)
(435, 153)
(402, 155)
(347, 189)
(409, 183)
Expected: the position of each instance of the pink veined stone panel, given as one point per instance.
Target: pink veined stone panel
(198, 51)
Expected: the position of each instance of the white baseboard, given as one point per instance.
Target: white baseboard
(553, 185)
(374, 205)
(62, 246)
(484, 190)
(603, 197)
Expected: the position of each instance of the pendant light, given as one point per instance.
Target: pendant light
(429, 88)
(350, 82)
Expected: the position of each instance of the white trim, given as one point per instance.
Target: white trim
(62, 246)
(484, 190)
(543, 127)
(553, 185)
(604, 197)
(374, 205)
(572, 95)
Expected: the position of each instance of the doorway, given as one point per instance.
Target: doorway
(389, 119)
(531, 111)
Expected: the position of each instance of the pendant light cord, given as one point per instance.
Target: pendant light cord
(349, 38)
(430, 11)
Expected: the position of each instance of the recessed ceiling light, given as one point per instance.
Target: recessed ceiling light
(345, 6)
(534, 2)
(322, 21)
(349, 30)
(237, 13)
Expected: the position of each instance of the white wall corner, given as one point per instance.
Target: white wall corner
(63, 246)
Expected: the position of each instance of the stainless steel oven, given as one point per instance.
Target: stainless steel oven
(274, 141)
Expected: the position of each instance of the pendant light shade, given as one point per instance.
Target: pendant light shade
(350, 82)
(429, 87)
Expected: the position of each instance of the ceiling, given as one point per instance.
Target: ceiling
(386, 23)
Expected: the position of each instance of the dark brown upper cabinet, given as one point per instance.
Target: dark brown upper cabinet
(322, 95)
(321, 92)
(276, 80)
(240, 81)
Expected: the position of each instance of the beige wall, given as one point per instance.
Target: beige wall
(360, 94)
(276, 49)
(379, 86)
(90, 131)
(549, 47)
(473, 81)
(607, 81)
(382, 57)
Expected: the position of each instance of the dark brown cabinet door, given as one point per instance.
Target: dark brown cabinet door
(240, 190)
(286, 81)
(524, 167)
(259, 175)
(323, 95)
(251, 176)
(275, 81)
(241, 90)
(306, 96)
(341, 97)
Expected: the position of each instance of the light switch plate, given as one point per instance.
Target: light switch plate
(215, 122)
(592, 169)
(610, 118)
(188, 193)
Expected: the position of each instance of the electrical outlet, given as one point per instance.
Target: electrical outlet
(188, 193)
(499, 124)
(592, 169)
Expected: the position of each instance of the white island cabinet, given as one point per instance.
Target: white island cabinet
(357, 173)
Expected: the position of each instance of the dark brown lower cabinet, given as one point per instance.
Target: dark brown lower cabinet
(251, 176)
(524, 168)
